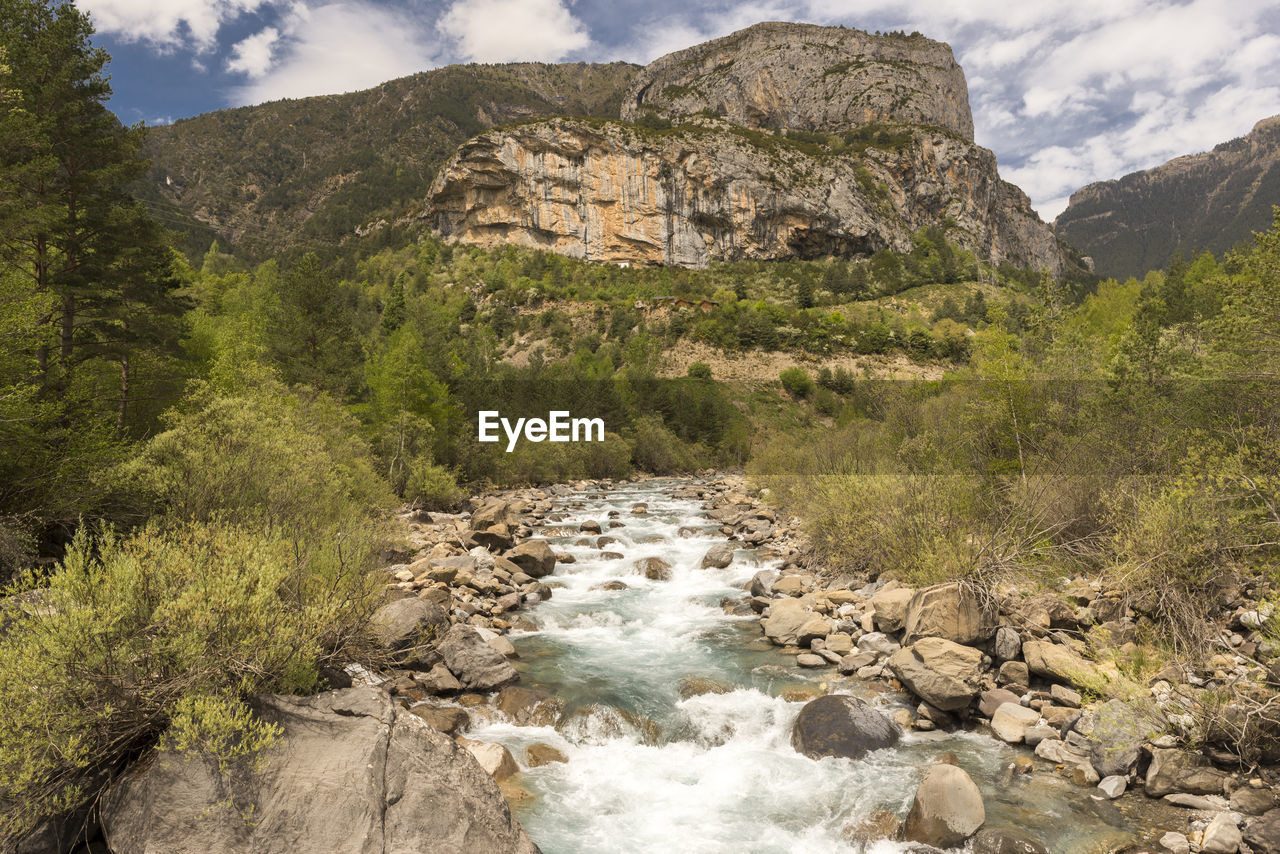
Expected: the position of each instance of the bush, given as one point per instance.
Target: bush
(275, 457)
(166, 630)
(797, 382)
(699, 371)
(659, 451)
(432, 487)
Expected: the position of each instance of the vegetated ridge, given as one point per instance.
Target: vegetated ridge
(1211, 201)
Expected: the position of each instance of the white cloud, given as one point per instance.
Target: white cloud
(511, 30)
(339, 47)
(167, 23)
(253, 56)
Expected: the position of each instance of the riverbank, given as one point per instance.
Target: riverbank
(632, 663)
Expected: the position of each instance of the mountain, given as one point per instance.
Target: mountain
(310, 172)
(779, 141)
(1213, 201)
(781, 76)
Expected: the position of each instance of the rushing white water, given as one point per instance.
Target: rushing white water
(650, 772)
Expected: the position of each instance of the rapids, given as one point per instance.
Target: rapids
(648, 771)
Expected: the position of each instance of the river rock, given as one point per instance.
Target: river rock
(528, 707)
(1054, 661)
(947, 809)
(808, 659)
(591, 526)
(718, 556)
(1039, 733)
(438, 680)
(1250, 801)
(1000, 841)
(498, 537)
(891, 608)
(842, 726)
(695, 686)
(534, 557)
(1011, 722)
(762, 582)
(994, 699)
(476, 665)
(1008, 643)
(408, 624)
(449, 720)
(495, 759)
(495, 512)
(942, 673)
(1263, 833)
(952, 611)
(1113, 786)
(880, 825)
(1014, 673)
(1222, 836)
(1119, 731)
(786, 617)
(654, 568)
(1175, 843)
(1174, 770)
(351, 774)
(878, 643)
(537, 755)
(839, 643)
(790, 585)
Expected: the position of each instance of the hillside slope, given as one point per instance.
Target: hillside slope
(1214, 201)
(313, 171)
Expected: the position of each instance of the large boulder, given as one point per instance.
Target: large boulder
(1000, 841)
(527, 707)
(409, 628)
(1011, 722)
(351, 774)
(1172, 770)
(1263, 834)
(654, 568)
(476, 664)
(953, 611)
(891, 607)
(1060, 663)
(842, 726)
(718, 556)
(495, 512)
(786, 618)
(944, 674)
(947, 810)
(534, 557)
(1119, 731)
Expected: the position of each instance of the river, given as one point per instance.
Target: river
(648, 771)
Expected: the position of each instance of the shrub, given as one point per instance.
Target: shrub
(797, 382)
(699, 371)
(166, 630)
(659, 451)
(431, 486)
(276, 457)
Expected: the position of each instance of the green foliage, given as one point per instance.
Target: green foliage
(797, 382)
(699, 371)
(166, 630)
(286, 460)
(431, 486)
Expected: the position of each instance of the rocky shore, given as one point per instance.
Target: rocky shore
(1048, 671)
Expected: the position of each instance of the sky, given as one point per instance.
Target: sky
(1065, 92)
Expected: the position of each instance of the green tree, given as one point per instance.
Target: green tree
(314, 339)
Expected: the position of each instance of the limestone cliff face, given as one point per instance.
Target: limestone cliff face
(610, 191)
(1213, 200)
(803, 77)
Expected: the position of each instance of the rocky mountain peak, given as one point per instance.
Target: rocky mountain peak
(785, 76)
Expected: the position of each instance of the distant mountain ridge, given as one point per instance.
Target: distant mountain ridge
(1212, 201)
(310, 172)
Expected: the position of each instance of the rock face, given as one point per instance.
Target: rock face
(782, 76)
(607, 191)
(1202, 201)
(727, 183)
(351, 774)
(843, 726)
(947, 810)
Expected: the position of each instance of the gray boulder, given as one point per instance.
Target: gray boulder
(1119, 731)
(952, 611)
(944, 674)
(476, 664)
(350, 775)
(1000, 841)
(842, 726)
(654, 568)
(1174, 770)
(947, 809)
(534, 557)
(718, 556)
(1263, 834)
